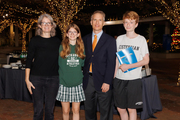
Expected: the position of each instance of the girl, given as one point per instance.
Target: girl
(71, 61)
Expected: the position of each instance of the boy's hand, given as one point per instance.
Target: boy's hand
(124, 67)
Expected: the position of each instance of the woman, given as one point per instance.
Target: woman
(71, 60)
(41, 73)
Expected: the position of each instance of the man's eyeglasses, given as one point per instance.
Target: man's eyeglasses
(46, 23)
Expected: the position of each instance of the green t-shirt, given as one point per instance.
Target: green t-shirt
(70, 68)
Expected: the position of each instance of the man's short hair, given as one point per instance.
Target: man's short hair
(100, 12)
(131, 15)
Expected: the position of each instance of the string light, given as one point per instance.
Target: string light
(25, 26)
(170, 13)
(63, 11)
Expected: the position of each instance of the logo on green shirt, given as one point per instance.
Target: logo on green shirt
(72, 60)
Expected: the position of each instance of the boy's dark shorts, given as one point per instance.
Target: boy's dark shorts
(127, 93)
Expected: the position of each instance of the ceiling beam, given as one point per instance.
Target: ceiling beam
(149, 19)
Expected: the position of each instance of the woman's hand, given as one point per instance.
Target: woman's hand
(29, 85)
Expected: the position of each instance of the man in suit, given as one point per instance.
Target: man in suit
(98, 69)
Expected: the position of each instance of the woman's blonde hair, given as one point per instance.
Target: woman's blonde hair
(79, 43)
(39, 30)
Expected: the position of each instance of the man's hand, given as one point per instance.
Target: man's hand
(105, 87)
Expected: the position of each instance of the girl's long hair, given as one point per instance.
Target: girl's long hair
(79, 43)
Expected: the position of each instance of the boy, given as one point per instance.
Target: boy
(127, 86)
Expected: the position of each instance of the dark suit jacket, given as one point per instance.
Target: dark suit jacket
(103, 60)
